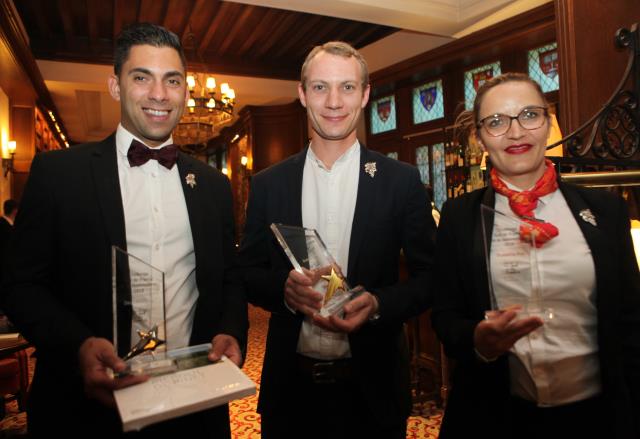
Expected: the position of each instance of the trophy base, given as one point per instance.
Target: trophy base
(168, 362)
(338, 301)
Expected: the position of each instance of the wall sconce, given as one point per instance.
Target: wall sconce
(7, 163)
(244, 160)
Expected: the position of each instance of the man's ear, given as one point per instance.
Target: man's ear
(301, 95)
(114, 87)
(365, 95)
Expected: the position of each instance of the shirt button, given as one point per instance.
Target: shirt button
(155, 209)
(154, 175)
(156, 247)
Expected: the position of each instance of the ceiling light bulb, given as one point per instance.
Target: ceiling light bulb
(191, 82)
(211, 83)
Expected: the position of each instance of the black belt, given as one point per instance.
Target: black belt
(593, 404)
(325, 372)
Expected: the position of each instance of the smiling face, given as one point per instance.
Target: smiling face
(152, 92)
(517, 155)
(334, 98)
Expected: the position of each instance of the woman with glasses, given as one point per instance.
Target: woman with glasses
(570, 372)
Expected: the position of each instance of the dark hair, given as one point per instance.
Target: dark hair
(144, 33)
(9, 206)
(467, 121)
(339, 48)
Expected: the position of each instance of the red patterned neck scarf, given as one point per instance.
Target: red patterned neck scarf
(524, 204)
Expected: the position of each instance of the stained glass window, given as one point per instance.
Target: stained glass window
(428, 102)
(383, 115)
(393, 155)
(543, 67)
(422, 163)
(439, 176)
(475, 78)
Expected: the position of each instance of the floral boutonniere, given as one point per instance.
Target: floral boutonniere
(191, 180)
(370, 168)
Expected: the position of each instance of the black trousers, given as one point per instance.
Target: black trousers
(581, 419)
(327, 409)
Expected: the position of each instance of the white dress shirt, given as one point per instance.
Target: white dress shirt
(159, 233)
(557, 363)
(328, 203)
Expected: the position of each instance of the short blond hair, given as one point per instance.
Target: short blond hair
(339, 48)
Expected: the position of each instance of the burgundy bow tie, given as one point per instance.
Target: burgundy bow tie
(139, 154)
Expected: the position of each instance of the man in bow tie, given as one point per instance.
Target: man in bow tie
(136, 191)
(348, 375)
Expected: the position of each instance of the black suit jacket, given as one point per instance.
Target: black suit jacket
(58, 290)
(392, 213)
(5, 234)
(480, 392)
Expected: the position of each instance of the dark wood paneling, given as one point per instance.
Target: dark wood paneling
(278, 132)
(590, 66)
(267, 135)
(23, 132)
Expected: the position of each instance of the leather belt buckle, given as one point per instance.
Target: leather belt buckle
(323, 373)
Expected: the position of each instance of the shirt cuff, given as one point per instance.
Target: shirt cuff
(288, 307)
(484, 359)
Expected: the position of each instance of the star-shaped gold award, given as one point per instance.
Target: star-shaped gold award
(335, 283)
(148, 342)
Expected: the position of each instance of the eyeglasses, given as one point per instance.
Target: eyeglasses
(530, 118)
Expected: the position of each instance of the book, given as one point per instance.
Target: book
(192, 387)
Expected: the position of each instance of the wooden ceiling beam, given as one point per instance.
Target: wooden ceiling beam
(92, 22)
(219, 13)
(269, 20)
(118, 16)
(64, 8)
(324, 34)
(38, 12)
(195, 10)
(174, 17)
(248, 19)
(276, 34)
(152, 11)
(308, 27)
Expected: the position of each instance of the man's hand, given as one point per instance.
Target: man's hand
(223, 344)
(496, 335)
(299, 294)
(356, 313)
(95, 357)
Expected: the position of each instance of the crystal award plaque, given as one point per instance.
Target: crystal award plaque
(309, 255)
(512, 265)
(139, 329)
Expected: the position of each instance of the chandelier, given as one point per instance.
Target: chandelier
(204, 111)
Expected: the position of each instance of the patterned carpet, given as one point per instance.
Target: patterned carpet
(245, 421)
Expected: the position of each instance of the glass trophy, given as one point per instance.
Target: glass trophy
(139, 329)
(512, 265)
(309, 255)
